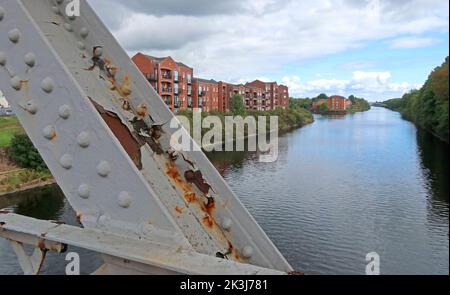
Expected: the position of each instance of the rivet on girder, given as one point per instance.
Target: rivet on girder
(14, 35)
(64, 112)
(81, 45)
(49, 132)
(59, 1)
(84, 32)
(47, 85)
(247, 252)
(66, 161)
(30, 59)
(104, 220)
(98, 51)
(124, 200)
(2, 13)
(72, 17)
(16, 83)
(2, 59)
(83, 139)
(84, 191)
(103, 169)
(68, 27)
(31, 107)
(227, 223)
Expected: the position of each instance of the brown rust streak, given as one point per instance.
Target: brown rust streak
(122, 133)
(179, 210)
(208, 221)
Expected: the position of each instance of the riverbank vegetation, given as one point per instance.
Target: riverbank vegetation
(428, 107)
(21, 166)
(9, 126)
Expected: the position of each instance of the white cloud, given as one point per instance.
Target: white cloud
(413, 42)
(371, 85)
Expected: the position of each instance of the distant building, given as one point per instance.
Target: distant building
(337, 103)
(206, 94)
(175, 83)
(172, 80)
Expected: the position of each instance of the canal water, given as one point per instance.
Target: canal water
(342, 187)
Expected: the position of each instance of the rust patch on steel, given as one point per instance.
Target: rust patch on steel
(125, 88)
(196, 177)
(208, 221)
(122, 133)
(296, 273)
(190, 197)
(179, 210)
(210, 206)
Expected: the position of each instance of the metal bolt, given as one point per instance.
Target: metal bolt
(30, 59)
(84, 32)
(16, 83)
(84, 191)
(68, 27)
(66, 161)
(49, 132)
(64, 112)
(247, 252)
(2, 13)
(103, 169)
(31, 107)
(14, 35)
(124, 199)
(227, 223)
(47, 85)
(2, 58)
(83, 139)
(59, 1)
(72, 17)
(98, 51)
(104, 220)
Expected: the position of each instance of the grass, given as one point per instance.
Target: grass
(9, 126)
(16, 180)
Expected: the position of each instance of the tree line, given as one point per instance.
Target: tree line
(427, 107)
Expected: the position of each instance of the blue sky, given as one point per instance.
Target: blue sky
(377, 49)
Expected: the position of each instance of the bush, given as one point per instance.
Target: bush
(24, 154)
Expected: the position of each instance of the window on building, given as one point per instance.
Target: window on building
(175, 75)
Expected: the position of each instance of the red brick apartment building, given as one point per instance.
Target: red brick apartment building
(206, 94)
(337, 103)
(175, 83)
(172, 80)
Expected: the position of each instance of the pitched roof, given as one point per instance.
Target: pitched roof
(160, 59)
(205, 80)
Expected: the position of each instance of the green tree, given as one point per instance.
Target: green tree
(23, 152)
(322, 96)
(237, 106)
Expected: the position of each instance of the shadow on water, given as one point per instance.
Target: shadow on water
(434, 159)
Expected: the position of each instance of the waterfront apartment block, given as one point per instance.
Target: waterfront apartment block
(172, 80)
(175, 83)
(334, 103)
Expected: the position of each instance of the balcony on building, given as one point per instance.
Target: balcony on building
(167, 99)
(166, 88)
(166, 74)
